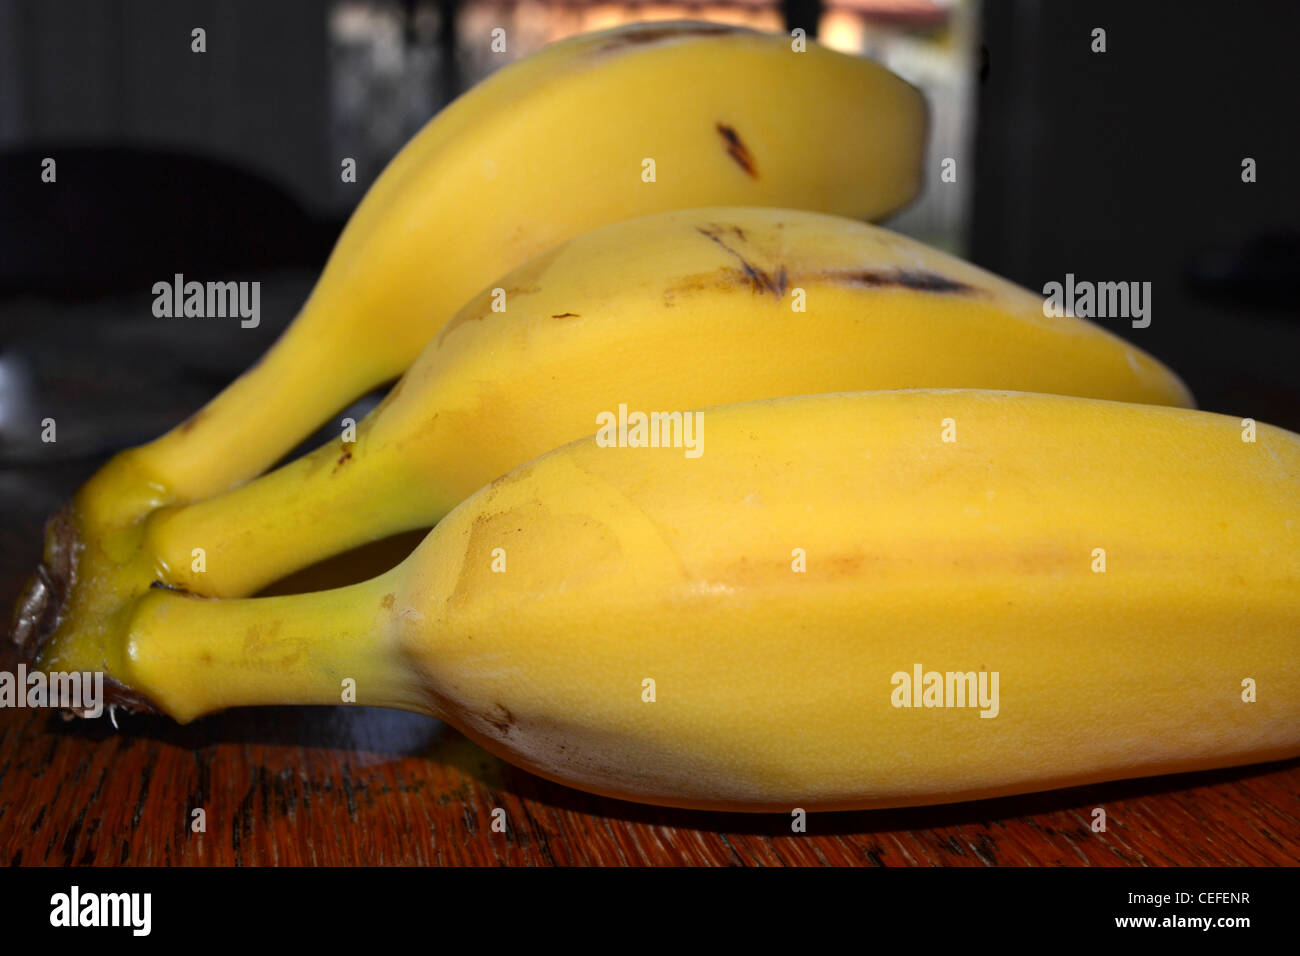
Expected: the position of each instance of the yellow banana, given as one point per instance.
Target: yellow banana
(663, 314)
(543, 150)
(847, 601)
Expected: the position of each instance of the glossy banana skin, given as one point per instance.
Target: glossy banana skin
(666, 313)
(775, 588)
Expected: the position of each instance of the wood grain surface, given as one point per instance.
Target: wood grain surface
(304, 786)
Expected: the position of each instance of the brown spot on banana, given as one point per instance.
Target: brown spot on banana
(501, 719)
(189, 423)
(737, 150)
(518, 474)
(777, 282)
(164, 586)
(917, 280)
(567, 315)
(759, 279)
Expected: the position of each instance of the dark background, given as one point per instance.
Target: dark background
(1128, 166)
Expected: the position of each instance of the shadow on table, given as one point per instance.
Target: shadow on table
(395, 734)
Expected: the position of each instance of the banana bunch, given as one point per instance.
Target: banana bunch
(736, 503)
(708, 306)
(832, 607)
(592, 130)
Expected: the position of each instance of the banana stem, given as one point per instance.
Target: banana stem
(239, 439)
(190, 656)
(337, 498)
(234, 437)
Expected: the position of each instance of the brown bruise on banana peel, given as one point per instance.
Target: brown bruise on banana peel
(777, 281)
(917, 280)
(501, 719)
(759, 279)
(736, 149)
(596, 548)
(164, 586)
(190, 422)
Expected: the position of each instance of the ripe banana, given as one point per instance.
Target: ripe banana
(848, 601)
(663, 314)
(543, 150)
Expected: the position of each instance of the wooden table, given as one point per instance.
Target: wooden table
(361, 786)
